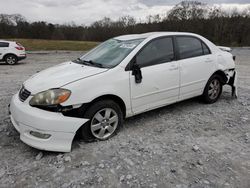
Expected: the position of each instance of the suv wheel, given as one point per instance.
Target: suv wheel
(105, 120)
(213, 89)
(11, 59)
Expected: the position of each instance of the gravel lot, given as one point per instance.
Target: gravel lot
(188, 144)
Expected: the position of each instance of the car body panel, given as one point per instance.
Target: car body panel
(160, 85)
(62, 129)
(113, 82)
(194, 74)
(60, 75)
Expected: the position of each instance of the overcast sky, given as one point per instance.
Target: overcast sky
(88, 11)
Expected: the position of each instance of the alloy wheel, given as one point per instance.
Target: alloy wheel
(11, 60)
(214, 89)
(104, 123)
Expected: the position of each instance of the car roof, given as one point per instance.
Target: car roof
(151, 35)
(6, 41)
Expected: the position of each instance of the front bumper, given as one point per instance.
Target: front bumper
(61, 129)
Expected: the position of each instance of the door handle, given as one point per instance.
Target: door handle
(208, 60)
(173, 67)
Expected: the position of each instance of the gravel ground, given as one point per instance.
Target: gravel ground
(188, 144)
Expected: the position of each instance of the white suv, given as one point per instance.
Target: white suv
(122, 77)
(11, 52)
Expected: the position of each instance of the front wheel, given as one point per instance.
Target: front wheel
(11, 59)
(213, 89)
(105, 120)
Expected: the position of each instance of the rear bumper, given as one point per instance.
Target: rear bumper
(27, 119)
(232, 76)
(21, 57)
(235, 85)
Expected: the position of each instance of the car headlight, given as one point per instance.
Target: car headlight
(50, 97)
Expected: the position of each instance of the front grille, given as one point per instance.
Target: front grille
(23, 94)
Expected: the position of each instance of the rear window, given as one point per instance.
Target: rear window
(189, 47)
(18, 44)
(4, 44)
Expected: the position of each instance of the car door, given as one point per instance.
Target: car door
(159, 84)
(3, 48)
(196, 65)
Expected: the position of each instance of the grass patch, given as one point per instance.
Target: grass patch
(37, 44)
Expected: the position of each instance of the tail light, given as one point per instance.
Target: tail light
(19, 48)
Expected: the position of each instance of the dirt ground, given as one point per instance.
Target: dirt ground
(188, 144)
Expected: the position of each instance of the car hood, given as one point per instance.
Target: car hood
(60, 75)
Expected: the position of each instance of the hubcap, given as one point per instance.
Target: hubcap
(214, 89)
(104, 123)
(11, 60)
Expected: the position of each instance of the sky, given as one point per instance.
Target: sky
(85, 12)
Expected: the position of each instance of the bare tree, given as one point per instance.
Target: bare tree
(187, 10)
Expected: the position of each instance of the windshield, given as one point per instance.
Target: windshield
(109, 53)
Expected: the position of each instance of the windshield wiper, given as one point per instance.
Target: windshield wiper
(90, 62)
(78, 60)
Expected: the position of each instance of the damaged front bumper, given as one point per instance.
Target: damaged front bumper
(42, 129)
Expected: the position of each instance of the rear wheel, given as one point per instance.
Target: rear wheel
(11, 59)
(213, 89)
(105, 120)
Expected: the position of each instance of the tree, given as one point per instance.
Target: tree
(187, 10)
(221, 27)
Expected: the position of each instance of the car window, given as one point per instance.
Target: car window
(158, 51)
(205, 49)
(189, 47)
(4, 44)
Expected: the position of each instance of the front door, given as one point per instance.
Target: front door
(160, 76)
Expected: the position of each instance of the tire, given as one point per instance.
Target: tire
(213, 89)
(11, 59)
(98, 127)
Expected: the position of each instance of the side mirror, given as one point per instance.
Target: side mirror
(136, 71)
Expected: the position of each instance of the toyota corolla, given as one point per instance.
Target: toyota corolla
(120, 78)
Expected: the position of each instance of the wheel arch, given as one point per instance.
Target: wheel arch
(222, 74)
(9, 54)
(223, 79)
(115, 98)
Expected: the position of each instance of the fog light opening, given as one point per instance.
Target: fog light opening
(40, 135)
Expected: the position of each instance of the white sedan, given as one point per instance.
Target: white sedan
(120, 78)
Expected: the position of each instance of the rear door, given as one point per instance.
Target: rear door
(196, 65)
(3, 49)
(160, 76)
